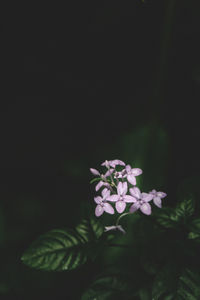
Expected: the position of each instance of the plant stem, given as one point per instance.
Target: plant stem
(121, 216)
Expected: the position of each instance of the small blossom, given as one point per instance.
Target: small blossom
(117, 227)
(157, 196)
(131, 173)
(141, 202)
(113, 163)
(102, 205)
(120, 174)
(121, 198)
(94, 172)
(102, 182)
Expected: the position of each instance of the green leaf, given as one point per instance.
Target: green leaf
(57, 250)
(64, 249)
(145, 294)
(194, 226)
(90, 228)
(169, 217)
(189, 285)
(176, 284)
(164, 217)
(95, 180)
(184, 209)
(107, 288)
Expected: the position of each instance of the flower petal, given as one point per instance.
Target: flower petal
(120, 188)
(116, 162)
(94, 171)
(108, 208)
(157, 201)
(105, 193)
(135, 192)
(98, 199)
(99, 185)
(120, 206)
(120, 228)
(108, 228)
(113, 198)
(131, 178)
(105, 163)
(128, 168)
(109, 172)
(153, 192)
(125, 188)
(129, 199)
(134, 207)
(146, 208)
(118, 175)
(161, 194)
(136, 171)
(146, 197)
(99, 211)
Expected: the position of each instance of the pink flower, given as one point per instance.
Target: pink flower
(121, 198)
(102, 182)
(113, 163)
(131, 173)
(141, 202)
(102, 205)
(157, 196)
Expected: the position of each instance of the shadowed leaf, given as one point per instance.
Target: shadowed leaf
(176, 284)
(57, 250)
(90, 228)
(107, 288)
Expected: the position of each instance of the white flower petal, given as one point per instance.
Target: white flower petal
(146, 197)
(134, 207)
(146, 208)
(98, 199)
(135, 192)
(94, 171)
(108, 208)
(157, 201)
(131, 179)
(161, 194)
(113, 198)
(99, 185)
(120, 206)
(99, 211)
(129, 199)
(136, 171)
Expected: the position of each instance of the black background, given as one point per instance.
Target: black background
(79, 76)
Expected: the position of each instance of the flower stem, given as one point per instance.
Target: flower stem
(121, 216)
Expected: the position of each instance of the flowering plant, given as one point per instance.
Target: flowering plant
(155, 239)
(119, 188)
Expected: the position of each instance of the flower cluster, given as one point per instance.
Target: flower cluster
(119, 187)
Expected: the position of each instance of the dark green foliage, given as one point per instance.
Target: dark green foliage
(194, 226)
(176, 284)
(184, 209)
(90, 228)
(159, 253)
(172, 217)
(63, 249)
(57, 250)
(164, 218)
(108, 288)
